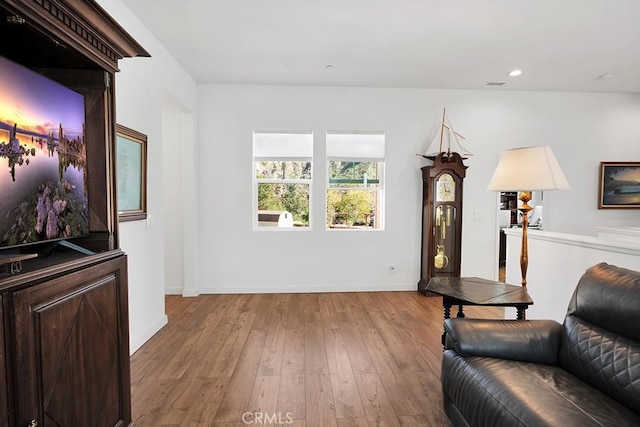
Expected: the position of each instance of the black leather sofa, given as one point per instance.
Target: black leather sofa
(585, 372)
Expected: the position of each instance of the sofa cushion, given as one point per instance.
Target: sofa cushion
(608, 296)
(607, 361)
(601, 337)
(497, 392)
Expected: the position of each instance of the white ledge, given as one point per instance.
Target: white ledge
(624, 234)
(619, 246)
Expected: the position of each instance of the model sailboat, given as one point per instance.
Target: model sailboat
(446, 141)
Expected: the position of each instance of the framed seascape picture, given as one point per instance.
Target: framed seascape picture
(131, 163)
(619, 185)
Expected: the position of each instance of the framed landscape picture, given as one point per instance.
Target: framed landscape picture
(619, 185)
(131, 163)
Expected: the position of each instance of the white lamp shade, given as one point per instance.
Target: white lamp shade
(528, 169)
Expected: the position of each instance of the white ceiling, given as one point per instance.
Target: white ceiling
(561, 45)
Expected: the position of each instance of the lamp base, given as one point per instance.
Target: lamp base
(525, 197)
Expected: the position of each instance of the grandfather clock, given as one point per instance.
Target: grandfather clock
(441, 248)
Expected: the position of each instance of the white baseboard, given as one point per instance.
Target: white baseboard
(182, 291)
(136, 342)
(306, 289)
(190, 292)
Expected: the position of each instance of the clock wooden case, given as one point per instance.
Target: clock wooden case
(441, 247)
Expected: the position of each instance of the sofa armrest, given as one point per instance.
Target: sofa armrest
(536, 341)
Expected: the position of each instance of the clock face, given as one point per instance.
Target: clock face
(445, 188)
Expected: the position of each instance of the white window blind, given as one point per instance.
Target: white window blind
(361, 146)
(271, 145)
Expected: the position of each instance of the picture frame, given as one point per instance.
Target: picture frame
(619, 185)
(131, 167)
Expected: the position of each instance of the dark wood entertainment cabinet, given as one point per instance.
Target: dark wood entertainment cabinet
(64, 328)
(66, 335)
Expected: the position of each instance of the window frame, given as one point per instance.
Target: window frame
(379, 188)
(257, 181)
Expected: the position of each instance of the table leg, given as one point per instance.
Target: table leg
(522, 312)
(447, 310)
(446, 304)
(460, 312)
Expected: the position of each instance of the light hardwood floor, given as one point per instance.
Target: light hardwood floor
(333, 359)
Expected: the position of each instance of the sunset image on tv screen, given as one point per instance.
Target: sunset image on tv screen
(43, 194)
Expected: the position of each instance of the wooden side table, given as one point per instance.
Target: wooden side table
(463, 291)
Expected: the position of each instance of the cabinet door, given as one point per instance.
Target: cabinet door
(72, 349)
(4, 409)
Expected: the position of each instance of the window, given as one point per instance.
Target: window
(355, 171)
(282, 178)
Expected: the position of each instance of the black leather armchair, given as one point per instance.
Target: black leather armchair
(585, 372)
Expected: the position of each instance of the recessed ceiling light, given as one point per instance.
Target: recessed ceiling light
(514, 73)
(605, 77)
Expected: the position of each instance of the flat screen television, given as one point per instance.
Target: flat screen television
(43, 165)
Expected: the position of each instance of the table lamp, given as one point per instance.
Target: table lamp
(525, 170)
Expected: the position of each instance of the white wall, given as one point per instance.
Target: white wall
(210, 166)
(583, 130)
(556, 263)
(172, 198)
(155, 96)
